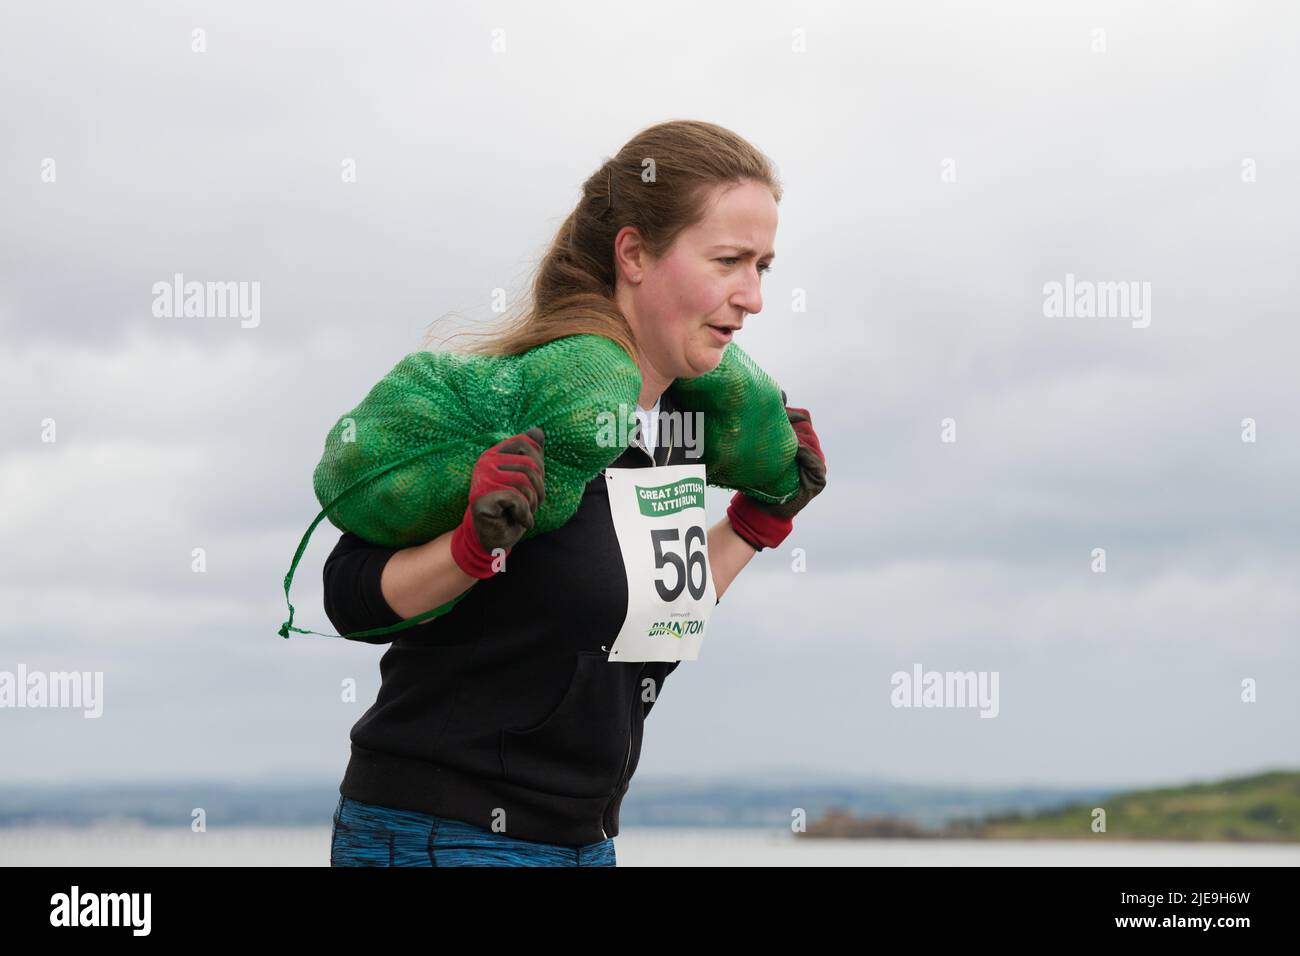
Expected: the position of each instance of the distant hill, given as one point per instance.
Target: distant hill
(767, 799)
(759, 801)
(167, 805)
(1262, 807)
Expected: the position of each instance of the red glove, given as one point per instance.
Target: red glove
(767, 525)
(505, 491)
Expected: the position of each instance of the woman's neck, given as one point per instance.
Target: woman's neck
(653, 385)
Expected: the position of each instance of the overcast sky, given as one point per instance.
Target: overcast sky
(941, 165)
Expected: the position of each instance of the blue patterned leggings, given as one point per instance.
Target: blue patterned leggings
(369, 835)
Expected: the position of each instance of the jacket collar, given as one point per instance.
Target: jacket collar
(637, 457)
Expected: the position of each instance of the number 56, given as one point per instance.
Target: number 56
(685, 569)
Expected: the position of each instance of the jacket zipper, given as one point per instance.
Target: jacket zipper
(626, 760)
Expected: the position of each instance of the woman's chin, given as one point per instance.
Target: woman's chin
(705, 360)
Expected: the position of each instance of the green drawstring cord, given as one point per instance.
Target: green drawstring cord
(287, 626)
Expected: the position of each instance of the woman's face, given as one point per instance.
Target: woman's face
(688, 305)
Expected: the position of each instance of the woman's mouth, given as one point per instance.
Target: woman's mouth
(723, 334)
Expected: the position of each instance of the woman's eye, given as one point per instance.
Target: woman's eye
(762, 268)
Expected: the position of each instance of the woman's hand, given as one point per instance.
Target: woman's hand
(767, 525)
(506, 489)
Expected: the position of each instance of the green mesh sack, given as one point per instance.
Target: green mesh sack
(749, 444)
(396, 469)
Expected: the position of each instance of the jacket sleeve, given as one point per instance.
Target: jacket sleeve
(353, 598)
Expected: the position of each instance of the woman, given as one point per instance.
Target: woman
(504, 733)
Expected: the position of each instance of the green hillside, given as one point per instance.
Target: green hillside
(1265, 807)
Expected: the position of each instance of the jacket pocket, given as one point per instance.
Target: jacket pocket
(583, 746)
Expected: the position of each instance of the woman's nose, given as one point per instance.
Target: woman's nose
(751, 300)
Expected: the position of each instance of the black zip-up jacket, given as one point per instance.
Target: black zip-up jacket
(507, 703)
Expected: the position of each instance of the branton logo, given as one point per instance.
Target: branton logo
(677, 629)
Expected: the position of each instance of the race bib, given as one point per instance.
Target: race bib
(660, 522)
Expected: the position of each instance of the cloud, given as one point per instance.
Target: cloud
(924, 302)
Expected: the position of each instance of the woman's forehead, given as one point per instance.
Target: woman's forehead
(744, 216)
